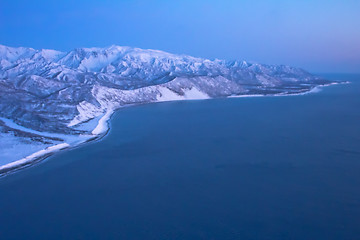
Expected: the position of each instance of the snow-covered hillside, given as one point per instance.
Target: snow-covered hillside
(47, 89)
(64, 93)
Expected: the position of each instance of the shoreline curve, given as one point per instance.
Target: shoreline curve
(102, 129)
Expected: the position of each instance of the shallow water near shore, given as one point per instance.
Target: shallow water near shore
(239, 168)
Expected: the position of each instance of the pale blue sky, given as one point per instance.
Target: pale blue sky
(320, 36)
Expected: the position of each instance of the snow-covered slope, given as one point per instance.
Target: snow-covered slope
(48, 90)
(56, 92)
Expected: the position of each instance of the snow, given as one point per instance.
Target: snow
(244, 96)
(16, 147)
(93, 63)
(35, 155)
(313, 90)
(66, 137)
(195, 94)
(168, 95)
(190, 94)
(106, 96)
(13, 148)
(86, 111)
(89, 125)
(13, 54)
(102, 126)
(13, 125)
(51, 55)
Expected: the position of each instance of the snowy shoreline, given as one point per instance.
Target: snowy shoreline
(313, 90)
(99, 131)
(102, 128)
(26, 160)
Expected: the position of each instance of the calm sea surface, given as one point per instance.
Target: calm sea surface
(244, 168)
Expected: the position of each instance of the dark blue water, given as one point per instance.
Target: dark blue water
(248, 168)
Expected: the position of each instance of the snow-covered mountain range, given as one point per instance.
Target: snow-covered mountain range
(64, 92)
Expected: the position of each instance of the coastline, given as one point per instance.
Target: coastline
(313, 90)
(102, 129)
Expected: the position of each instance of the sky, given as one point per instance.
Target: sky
(321, 36)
